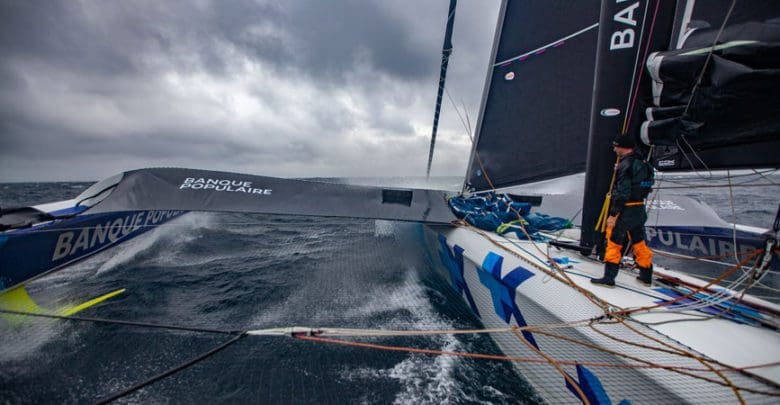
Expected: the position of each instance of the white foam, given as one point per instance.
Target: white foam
(383, 229)
(24, 341)
(177, 232)
(424, 378)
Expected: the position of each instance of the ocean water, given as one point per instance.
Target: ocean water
(241, 272)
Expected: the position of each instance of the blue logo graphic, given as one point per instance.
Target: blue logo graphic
(591, 387)
(503, 290)
(454, 263)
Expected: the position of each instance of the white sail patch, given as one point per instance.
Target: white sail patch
(227, 185)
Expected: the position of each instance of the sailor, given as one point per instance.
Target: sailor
(627, 215)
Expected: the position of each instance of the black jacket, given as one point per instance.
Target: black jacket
(633, 182)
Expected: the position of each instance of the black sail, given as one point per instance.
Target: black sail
(651, 55)
(628, 32)
(715, 107)
(533, 122)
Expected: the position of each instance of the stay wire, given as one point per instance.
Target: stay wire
(696, 87)
(121, 322)
(170, 371)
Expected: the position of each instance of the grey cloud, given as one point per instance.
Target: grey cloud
(83, 84)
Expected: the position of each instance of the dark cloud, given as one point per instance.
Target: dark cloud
(274, 87)
(321, 38)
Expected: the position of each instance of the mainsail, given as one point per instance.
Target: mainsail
(533, 123)
(715, 89)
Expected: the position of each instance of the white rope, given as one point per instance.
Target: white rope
(347, 332)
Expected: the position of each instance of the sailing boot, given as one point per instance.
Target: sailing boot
(610, 272)
(646, 275)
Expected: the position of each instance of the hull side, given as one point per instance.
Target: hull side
(505, 285)
(29, 253)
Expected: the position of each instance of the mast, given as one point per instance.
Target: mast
(445, 58)
(628, 32)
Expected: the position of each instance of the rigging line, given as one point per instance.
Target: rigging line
(556, 364)
(713, 299)
(759, 284)
(644, 59)
(633, 74)
(709, 57)
(662, 175)
(765, 177)
(696, 155)
(698, 84)
(169, 372)
(672, 368)
(120, 322)
(694, 186)
(529, 53)
(733, 217)
(671, 349)
(554, 270)
(460, 117)
(752, 255)
(687, 159)
(536, 360)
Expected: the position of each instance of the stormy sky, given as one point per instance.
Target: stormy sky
(290, 88)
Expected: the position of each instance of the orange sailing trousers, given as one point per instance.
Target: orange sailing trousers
(615, 242)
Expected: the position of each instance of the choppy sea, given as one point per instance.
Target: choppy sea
(241, 272)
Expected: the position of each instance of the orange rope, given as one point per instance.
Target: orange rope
(526, 359)
(557, 366)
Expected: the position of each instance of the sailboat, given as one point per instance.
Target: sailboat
(680, 340)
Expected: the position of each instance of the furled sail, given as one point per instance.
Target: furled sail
(533, 123)
(714, 92)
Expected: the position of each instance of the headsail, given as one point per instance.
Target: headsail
(534, 116)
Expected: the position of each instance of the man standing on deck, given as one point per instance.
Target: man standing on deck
(627, 215)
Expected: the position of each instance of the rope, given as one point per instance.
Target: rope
(715, 186)
(546, 360)
(120, 322)
(601, 223)
(314, 334)
(709, 56)
(639, 78)
(167, 373)
(696, 87)
(700, 289)
(682, 353)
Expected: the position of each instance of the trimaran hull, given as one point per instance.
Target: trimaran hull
(508, 282)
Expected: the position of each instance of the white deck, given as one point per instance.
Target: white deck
(544, 299)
